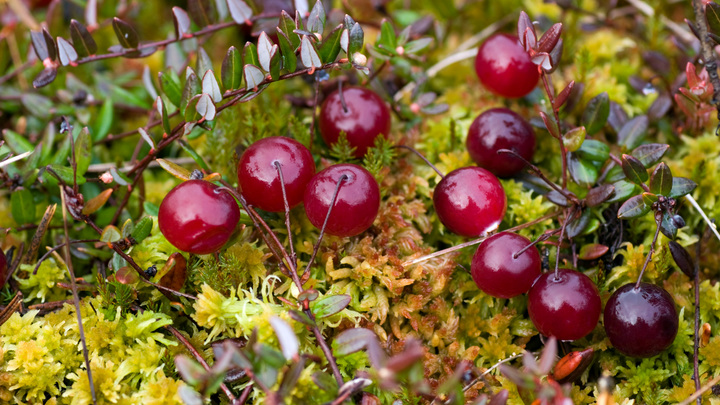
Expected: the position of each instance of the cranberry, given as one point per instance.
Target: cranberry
(500, 128)
(567, 306)
(503, 66)
(470, 201)
(198, 218)
(259, 178)
(641, 322)
(356, 205)
(497, 272)
(365, 119)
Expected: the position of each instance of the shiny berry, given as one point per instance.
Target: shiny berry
(259, 178)
(356, 205)
(198, 218)
(498, 273)
(470, 201)
(641, 322)
(365, 118)
(567, 306)
(503, 67)
(500, 128)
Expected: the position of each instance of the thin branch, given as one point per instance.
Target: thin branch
(76, 298)
(701, 391)
(278, 166)
(658, 218)
(708, 54)
(542, 176)
(421, 156)
(556, 116)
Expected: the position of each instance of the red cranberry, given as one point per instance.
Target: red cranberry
(470, 201)
(259, 179)
(497, 272)
(500, 128)
(365, 119)
(505, 68)
(198, 218)
(641, 322)
(567, 307)
(356, 205)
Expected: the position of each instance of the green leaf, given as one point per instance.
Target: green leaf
(125, 34)
(650, 153)
(330, 305)
(266, 50)
(632, 208)
(22, 206)
(309, 54)
(170, 86)
(240, 11)
(203, 63)
(594, 150)
(191, 112)
(83, 151)
(574, 138)
(287, 51)
(181, 20)
(316, 19)
(142, 229)
(357, 38)
(289, 342)
(681, 186)
(65, 173)
(231, 71)
(633, 132)
(661, 180)
(162, 111)
(712, 14)
(634, 170)
(623, 190)
(287, 26)
(250, 54)
(196, 156)
(201, 12)
(192, 88)
(387, 38)
(38, 105)
(330, 48)
(596, 113)
(104, 120)
(582, 171)
(253, 77)
(174, 169)
(16, 142)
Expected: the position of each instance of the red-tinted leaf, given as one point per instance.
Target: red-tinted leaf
(571, 366)
(556, 55)
(499, 398)
(353, 340)
(125, 33)
(633, 132)
(82, 40)
(650, 153)
(547, 358)
(550, 124)
(127, 275)
(43, 44)
(176, 274)
(45, 77)
(289, 342)
(181, 21)
(525, 27)
(310, 295)
(596, 113)
(661, 180)
(412, 353)
(681, 186)
(66, 52)
(599, 194)
(557, 198)
(96, 202)
(550, 38)
(686, 104)
(202, 12)
(660, 107)
(682, 258)
(618, 117)
(301, 317)
(592, 251)
(562, 97)
(634, 169)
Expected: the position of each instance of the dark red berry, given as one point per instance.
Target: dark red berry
(497, 272)
(356, 205)
(365, 119)
(503, 67)
(259, 179)
(567, 306)
(641, 322)
(500, 128)
(470, 201)
(198, 218)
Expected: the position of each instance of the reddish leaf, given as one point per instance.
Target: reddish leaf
(181, 21)
(661, 180)
(550, 38)
(682, 258)
(562, 97)
(127, 275)
(174, 277)
(125, 33)
(599, 194)
(634, 169)
(650, 153)
(500, 398)
(572, 366)
(592, 251)
(633, 208)
(82, 40)
(550, 124)
(525, 27)
(45, 77)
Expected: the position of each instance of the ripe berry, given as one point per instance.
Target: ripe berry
(259, 178)
(198, 218)
(365, 118)
(500, 128)
(356, 205)
(503, 67)
(470, 201)
(567, 307)
(497, 272)
(641, 322)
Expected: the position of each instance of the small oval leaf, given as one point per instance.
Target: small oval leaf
(592, 251)
(681, 186)
(174, 169)
(661, 180)
(596, 113)
(289, 342)
(330, 305)
(125, 34)
(632, 208)
(240, 11)
(634, 169)
(682, 258)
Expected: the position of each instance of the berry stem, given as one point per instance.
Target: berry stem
(556, 116)
(278, 166)
(573, 210)
(540, 174)
(545, 236)
(417, 152)
(477, 241)
(342, 97)
(658, 218)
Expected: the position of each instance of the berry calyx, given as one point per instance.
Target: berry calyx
(642, 321)
(358, 112)
(499, 270)
(259, 178)
(198, 218)
(356, 205)
(504, 68)
(566, 306)
(470, 201)
(500, 128)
